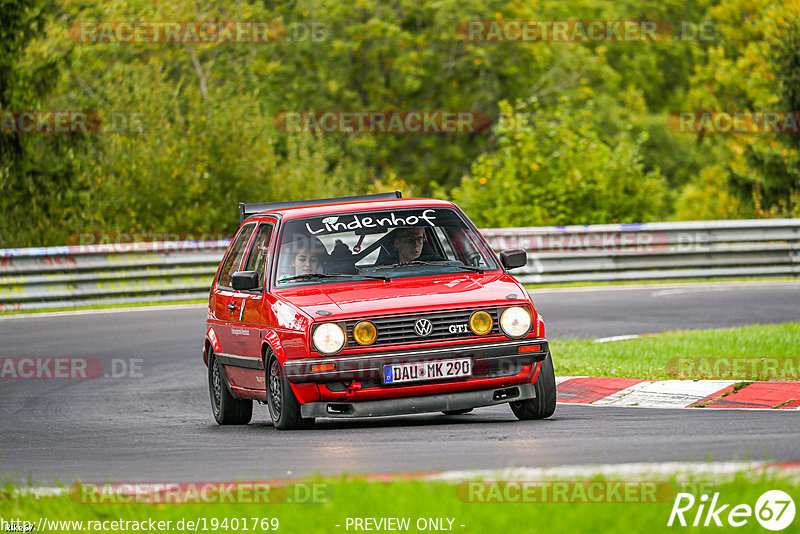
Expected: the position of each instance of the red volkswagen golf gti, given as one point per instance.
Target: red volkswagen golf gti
(370, 306)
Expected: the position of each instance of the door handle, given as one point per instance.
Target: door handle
(232, 307)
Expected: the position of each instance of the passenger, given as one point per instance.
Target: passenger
(302, 256)
(305, 261)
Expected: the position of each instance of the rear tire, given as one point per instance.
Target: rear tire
(544, 405)
(227, 409)
(284, 408)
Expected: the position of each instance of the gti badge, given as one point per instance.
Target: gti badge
(423, 327)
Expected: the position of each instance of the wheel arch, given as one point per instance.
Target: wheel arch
(211, 341)
(271, 343)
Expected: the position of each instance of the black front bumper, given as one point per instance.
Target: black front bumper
(460, 400)
(369, 366)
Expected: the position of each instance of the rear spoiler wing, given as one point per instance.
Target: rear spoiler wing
(246, 210)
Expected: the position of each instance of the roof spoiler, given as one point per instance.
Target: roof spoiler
(246, 210)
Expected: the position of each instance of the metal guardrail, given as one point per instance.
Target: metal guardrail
(60, 277)
(654, 251)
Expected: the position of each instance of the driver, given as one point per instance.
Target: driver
(408, 243)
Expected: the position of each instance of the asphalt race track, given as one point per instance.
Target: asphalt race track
(156, 425)
(618, 310)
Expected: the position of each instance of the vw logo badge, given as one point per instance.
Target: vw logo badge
(423, 327)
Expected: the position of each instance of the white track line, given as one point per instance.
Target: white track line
(630, 470)
(623, 337)
(614, 397)
(660, 287)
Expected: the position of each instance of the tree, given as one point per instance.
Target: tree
(38, 173)
(755, 66)
(551, 168)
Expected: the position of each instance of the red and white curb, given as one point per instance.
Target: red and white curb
(609, 391)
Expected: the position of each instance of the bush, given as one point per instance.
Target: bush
(551, 168)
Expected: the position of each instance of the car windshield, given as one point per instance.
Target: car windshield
(382, 244)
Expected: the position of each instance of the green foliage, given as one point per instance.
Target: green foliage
(553, 169)
(707, 197)
(407, 56)
(38, 173)
(597, 130)
(755, 65)
(188, 172)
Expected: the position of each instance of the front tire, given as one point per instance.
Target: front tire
(227, 409)
(284, 409)
(544, 405)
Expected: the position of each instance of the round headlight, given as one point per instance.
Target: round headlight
(515, 321)
(481, 323)
(365, 333)
(328, 338)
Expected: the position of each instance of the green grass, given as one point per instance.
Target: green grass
(415, 499)
(662, 281)
(106, 306)
(727, 353)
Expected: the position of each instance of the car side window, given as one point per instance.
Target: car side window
(259, 252)
(235, 255)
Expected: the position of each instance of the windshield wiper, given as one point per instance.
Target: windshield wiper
(311, 276)
(423, 262)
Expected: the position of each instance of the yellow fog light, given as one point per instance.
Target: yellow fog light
(365, 333)
(481, 323)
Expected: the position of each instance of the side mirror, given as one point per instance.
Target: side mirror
(245, 280)
(511, 259)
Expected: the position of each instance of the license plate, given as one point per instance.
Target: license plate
(420, 371)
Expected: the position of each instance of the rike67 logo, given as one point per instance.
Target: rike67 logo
(774, 510)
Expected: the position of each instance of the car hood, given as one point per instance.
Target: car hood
(405, 295)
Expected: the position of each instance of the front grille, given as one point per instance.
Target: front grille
(400, 328)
